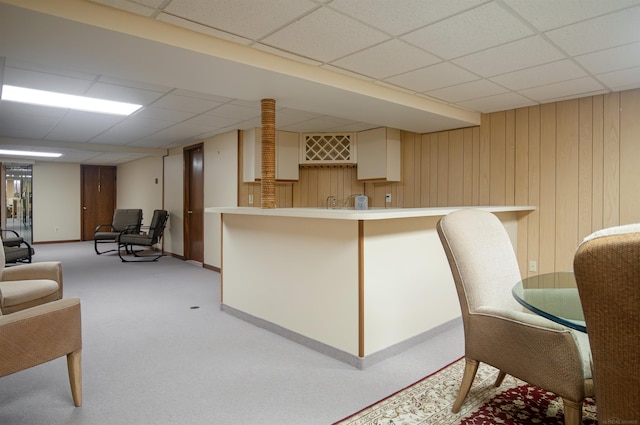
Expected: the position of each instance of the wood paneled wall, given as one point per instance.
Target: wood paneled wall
(576, 161)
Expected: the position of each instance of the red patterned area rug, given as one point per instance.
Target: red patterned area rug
(429, 401)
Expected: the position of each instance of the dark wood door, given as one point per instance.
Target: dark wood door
(98, 197)
(194, 203)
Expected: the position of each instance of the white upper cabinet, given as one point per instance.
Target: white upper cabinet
(287, 145)
(379, 154)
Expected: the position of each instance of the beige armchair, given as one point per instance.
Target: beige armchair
(607, 271)
(496, 329)
(39, 334)
(28, 285)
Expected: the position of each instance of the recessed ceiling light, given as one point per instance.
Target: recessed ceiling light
(30, 153)
(61, 100)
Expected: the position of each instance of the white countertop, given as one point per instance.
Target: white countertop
(351, 214)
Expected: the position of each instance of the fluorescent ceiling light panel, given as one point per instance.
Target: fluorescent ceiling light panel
(30, 153)
(60, 100)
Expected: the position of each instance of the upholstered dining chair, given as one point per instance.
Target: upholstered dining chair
(28, 285)
(497, 330)
(40, 334)
(124, 221)
(607, 270)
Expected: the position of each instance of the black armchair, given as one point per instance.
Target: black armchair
(124, 220)
(16, 249)
(147, 237)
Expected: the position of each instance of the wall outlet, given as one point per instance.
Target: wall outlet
(387, 198)
(533, 266)
(250, 199)
(56, 228)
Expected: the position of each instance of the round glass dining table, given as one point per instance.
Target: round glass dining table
(554, 296)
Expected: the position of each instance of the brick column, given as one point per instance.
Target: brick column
(268, 184)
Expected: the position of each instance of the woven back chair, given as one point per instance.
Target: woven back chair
(497, 331)
(40, 334)
(607, 270)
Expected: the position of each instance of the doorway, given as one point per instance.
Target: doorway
(98, 191)
(194, 203)
(19, 199)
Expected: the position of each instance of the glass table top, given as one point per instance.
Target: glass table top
(554, 296)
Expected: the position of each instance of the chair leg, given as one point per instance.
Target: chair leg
(572, 412)
(499, 379)
(74, 366)
(470, 369)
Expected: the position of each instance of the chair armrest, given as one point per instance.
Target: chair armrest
(45, 270)
(521, 317)
(38, 310)
(100, 226)
(36, 335)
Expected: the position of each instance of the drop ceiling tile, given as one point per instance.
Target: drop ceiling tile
(498, 102)
(325, 35)
(623, 79)
(550, 14)
(347, 72)
(540, 75)
(481, 28)
(205, 123)
(129, 130)
(79, 126)
(389, 58)
(237, 112)
(509, 57)
(162, 114)
(573, 88)
(185, 104)
(249, 18)
(288, 116)
(45, 81)
(123, 94)
(599, 33)
(404, 16)
(284, 54)
(184, 23)
(28, 121)
(467, 91)
(433, 77)
(201, 95)
(127, 6)
(611, 59)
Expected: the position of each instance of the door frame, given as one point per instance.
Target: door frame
(187, 231)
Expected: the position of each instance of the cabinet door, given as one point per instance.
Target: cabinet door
(287, 145)
(379, 154)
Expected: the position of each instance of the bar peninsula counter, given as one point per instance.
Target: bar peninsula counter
(358, 285)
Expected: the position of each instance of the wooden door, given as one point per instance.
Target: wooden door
(98, 197)
(194, 203)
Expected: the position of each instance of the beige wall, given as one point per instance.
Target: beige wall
(173, 201)
(140, 186)
(56, 202)
(220, 189)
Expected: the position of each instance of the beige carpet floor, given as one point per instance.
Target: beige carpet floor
(429, 401)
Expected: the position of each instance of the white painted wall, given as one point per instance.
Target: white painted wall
(56, 202)
(140, 186)
(220, 188)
